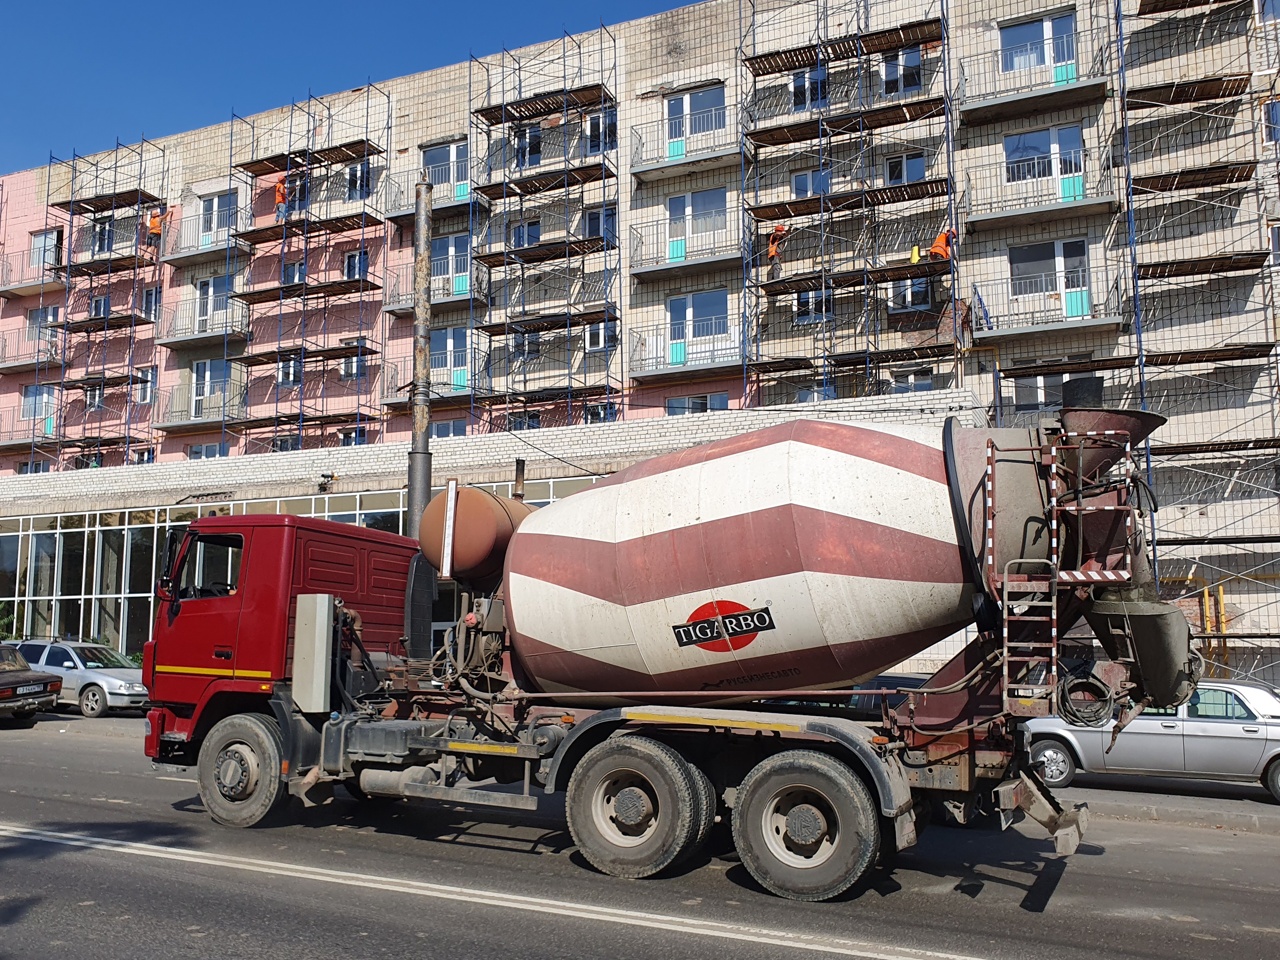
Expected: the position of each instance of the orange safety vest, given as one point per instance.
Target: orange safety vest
(941, 248)
(282, 192)
(774, 240)
(153, 225)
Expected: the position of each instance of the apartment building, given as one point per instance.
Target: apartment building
(603, 206)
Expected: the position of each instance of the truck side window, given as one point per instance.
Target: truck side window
(211, 567)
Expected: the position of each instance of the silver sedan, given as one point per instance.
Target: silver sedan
(94, 676)
(1228, 730)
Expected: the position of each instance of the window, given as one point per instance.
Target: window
(1271, 123)
(100, 306)
(696, 214)
(528, 146)
(528, 420)
(602, 132)
(217, 214)
(907, 168)
(1268, 10)
(707, 313)
(815, 392)
(1037, 154)
(1036, 43)
(913, 381)
(447, 164)
(209, 380)
(902, 73)
(211, 299)
(210, 567)
(602, 336)
(526, 346)
(293, 272)
(289, 372)
(606, 412)
(37, 401)
(448, 428)
(33, 466)
(355, 437)
(1217, 705)
(1057, 270)
(102, 236)
(208, 451)
(61, 658)
(40, 324)
(93, 397)
(1042, 392)
(450, 258)
(87, 461)
(358, 180)
(693, 114)
(449, 350)
(46, 248)
(355, 366)
(151, 304)
(811, 183)
(602, 222)
(815, 306)
(699, 403)
(286, 444)
(809, 89)
(526, 234)
(1275, 251)
(299, 187)
(142, 455)
(144, 384)
(356, 265)
(909, 294)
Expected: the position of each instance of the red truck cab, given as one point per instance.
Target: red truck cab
(226, 609)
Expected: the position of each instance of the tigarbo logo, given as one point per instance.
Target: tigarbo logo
(722, 626)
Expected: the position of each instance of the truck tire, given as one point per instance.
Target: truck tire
(630, 806)
(1059, 765)
(239, 770)
(706, 804)
(805, 826)
(93, 701)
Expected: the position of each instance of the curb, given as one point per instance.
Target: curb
(1186, 817)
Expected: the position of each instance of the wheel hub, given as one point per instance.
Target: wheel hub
(806, 825)
(632, 807)
(236, 772)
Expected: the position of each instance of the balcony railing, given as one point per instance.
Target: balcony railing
(28, 348)
(699, 342)
(449, 186)
(570, 144)
(702, 236)
(1069, 177)
(1042, 65)
(18, 426)
(450, 374)
(1066, 298)
(453, 280)
(207, 319)
(191, 404)
(686, 138)
(122, 236)
(204, 234)
(30, 272)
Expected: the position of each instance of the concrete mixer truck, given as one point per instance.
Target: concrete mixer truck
(675, 645)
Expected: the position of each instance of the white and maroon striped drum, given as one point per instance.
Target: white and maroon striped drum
(810, 554)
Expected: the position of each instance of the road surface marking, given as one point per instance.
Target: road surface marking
(471, 896)
(178, 779)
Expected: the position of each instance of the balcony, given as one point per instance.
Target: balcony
(199, 323)
(104, 423)
(110, 246)
(450, 379)
(1055, 74)
(703, 346)
(450, 291)
(28, 349)
(1062, 302)
(450, 193)
(551, 299)
(307, 287)
(1038, 190)
(17, 431)
(206, 238)
(329, 202)
(31, 273)
(549, 365)
(669, 248)
(702, 141)
(186, 409)
(116, 318)
(567, 155)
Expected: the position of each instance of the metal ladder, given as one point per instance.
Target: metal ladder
(1036, 595)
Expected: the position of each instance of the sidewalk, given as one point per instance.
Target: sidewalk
(1239, 807)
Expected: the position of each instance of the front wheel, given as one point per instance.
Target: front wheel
(93, 702)
(1271, 779)
(1059, 765)
(805, 826)
(239, 770)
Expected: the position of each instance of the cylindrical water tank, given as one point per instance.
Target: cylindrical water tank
(482, 529)
(810, 554)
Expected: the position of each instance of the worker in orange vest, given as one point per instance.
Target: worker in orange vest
(282, 199)
(774, 251)
(941, 249)
(153, 229)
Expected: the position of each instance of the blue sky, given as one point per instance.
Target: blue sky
(84, 72)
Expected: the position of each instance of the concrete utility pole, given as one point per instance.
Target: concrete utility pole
(420, 398)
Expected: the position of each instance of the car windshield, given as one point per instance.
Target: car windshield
(102, 658)
(11, 659)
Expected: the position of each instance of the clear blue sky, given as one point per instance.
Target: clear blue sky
(84, 72)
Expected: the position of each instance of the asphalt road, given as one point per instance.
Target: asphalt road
(101, 856)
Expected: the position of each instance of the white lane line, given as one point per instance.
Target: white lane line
(472, 896)
(178, 779)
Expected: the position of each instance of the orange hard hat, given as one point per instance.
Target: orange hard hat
(779, 229)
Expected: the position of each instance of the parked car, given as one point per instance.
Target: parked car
(1228, 730)
(93, 676)
(23, 691)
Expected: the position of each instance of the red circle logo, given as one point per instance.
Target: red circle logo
(714, 610)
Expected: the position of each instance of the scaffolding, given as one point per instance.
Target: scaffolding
(309, 295)
(847, 140)
(543, 147)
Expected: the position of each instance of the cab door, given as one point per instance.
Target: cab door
(197, 629)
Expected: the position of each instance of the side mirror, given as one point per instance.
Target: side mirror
(164, 589)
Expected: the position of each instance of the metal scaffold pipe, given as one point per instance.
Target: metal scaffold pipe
(420, 398)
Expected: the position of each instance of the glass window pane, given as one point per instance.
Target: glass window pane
(71, 576)
(142, 545)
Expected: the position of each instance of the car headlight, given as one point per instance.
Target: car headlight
(135, 688)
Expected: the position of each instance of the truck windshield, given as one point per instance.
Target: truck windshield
(211, 567)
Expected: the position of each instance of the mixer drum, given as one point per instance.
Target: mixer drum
(810, 554)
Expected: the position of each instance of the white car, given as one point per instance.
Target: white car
(1228, 730)
(93, 676)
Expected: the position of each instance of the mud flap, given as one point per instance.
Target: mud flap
(1028, 794)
